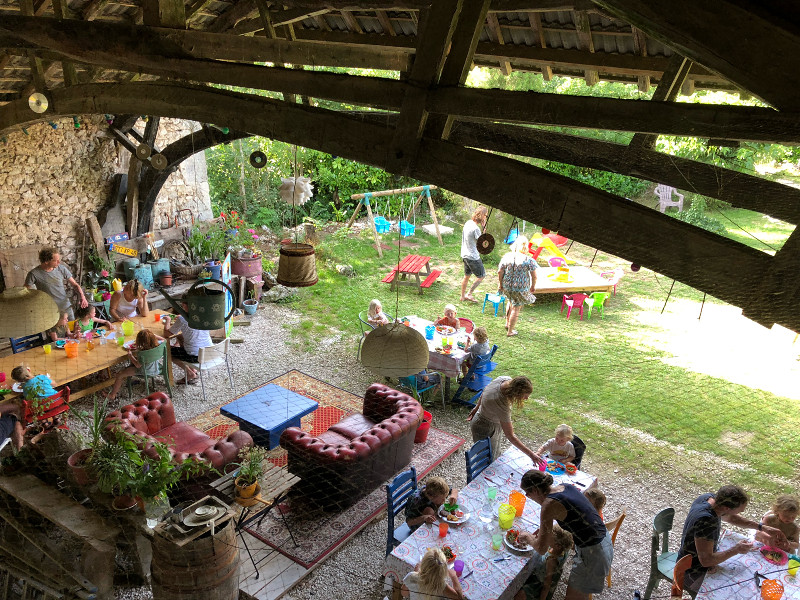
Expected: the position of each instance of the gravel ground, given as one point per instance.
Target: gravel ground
(354, 571)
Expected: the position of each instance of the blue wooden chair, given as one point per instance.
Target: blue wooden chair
(487, 364)
(397, 494)
(662, 561)
(26, 343)
(146, 358)
(478, 458)
(473, 382)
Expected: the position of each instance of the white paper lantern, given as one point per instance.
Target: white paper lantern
(296, 191)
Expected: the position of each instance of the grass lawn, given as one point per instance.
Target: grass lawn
(615, 380)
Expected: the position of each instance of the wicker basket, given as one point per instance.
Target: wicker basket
(187, 270)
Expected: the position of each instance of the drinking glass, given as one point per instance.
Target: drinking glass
(120, 340)
(497, 541)
(458, 566)
(443, 527)
(491, 492)
(47, 348)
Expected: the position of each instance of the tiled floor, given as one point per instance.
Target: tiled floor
(276, 573)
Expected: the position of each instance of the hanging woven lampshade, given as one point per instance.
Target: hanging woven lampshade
(297, 265)
(295, 190)
(26, 312)
(395, 350)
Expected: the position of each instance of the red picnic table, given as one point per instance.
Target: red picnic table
(412, 265)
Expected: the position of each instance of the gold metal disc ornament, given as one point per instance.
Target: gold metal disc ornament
(143, 151)
(38, 102)
(159, 161)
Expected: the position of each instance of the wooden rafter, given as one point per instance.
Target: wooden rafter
(496, 35)
(535, 20)
(352, 22)
(640, 48)
(585, 43)
(386, 24)
(294, 15)
(238, 11)
(667, 91)
(164, 13)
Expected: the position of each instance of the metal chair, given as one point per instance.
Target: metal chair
(27, 342)
(495, 300)
(213, 356)
(662, 562)
(148, 357)
(613, 526)
(573, 301)
(580, 448)
(478, 458)
(664, 193)
(366, 327)
(596, 300)
(397, 494)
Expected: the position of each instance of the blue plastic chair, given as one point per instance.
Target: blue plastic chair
(487, 364)
(27, 342)
(474, 385)
(478, 458)
(397, 494)
(496, 300)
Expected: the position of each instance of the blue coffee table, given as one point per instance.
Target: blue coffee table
(266, 411)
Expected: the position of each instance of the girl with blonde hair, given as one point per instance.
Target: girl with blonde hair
(517, 275)
(432, 580)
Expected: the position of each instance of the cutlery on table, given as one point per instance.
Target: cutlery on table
(467, 575)
(502, 558)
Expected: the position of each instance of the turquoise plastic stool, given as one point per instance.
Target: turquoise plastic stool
(496, 300)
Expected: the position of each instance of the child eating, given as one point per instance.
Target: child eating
(145, 340)
(449, 319)
(61, 329)
(560, 447)
(431, 579)
(479, 347)
(424, 503)
(32, 387)
(85, 321)
(375, 315)
(542, 583)
(782, 515)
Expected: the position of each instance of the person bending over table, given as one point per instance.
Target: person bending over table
(51, 277)
(492, 414)
(702, 529)
(567, 505)
(190, 340)
(129, 302)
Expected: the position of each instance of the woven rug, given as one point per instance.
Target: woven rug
(318, 533)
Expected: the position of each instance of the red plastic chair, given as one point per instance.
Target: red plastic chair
(613, 277)
(575, 301)
(466, 324)
(556, 261)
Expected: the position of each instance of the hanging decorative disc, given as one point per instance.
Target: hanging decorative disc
(38, 102)
(635, 267)
(485, 243)
(258, 159)
(143, 151)
(159, 162)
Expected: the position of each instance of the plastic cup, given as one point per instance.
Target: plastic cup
(793, 565)
(120, 340)
(156, 318)
(2, 376)
(517, 500)
(497, 541)
(71, 349)
(47, 348)
(443, 527)
(491, 492)
(458, 566)
(505, 515)
(127, 327)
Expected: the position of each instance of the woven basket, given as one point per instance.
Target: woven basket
(188, 270)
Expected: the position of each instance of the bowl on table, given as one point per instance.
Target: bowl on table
(60, 343)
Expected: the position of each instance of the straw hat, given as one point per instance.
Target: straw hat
(395, 350)
(26, 312)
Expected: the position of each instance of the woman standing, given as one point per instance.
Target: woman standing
(492, 414)
(567, 505)
(132, 300)
(517, 274)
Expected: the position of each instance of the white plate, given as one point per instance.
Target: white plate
(17, 387)
(194, 520)
(513, 547)
(443, 516)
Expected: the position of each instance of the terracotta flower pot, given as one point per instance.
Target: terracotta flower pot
(245, 491)
(77, 464)
(124, 502)
(166, 279)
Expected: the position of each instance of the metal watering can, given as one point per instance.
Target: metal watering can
(206, 307)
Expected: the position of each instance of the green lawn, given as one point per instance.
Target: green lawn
(603, 376)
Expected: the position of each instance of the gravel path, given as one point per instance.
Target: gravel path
(353, 572)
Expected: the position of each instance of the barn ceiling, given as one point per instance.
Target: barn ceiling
(188, 59)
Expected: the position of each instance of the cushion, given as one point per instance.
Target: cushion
(185, 438)
(352, 426)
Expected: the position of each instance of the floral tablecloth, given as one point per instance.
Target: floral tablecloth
(482, 579)
(448, 364)
(733, 579)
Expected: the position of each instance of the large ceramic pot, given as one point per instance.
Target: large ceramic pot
(247, 267)
(77, 464)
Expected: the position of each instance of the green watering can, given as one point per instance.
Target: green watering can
(206, 307)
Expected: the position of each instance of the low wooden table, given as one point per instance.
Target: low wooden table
(579, 279)
(410, 267)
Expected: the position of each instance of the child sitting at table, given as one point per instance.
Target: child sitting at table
(85, 321)
(431, 579)
(479, 347)
(60, 330)
(423, 505)
(597, 499)
(375, 315)
(449, 319)
(39, 386)
(145, 340)
(542, 583)
(560, 447)
(782, 515)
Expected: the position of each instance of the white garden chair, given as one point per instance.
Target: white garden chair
(664, 193)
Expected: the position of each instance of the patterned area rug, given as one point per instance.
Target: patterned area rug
(318, 533)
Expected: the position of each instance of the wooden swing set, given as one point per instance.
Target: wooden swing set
(364, 200)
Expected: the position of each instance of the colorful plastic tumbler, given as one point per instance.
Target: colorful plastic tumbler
(792, 567)
(47, 348)
(443, 527)
(506, 514)
(458, 566)
(120, 340)
(517, 500)
(491, 492)
(127, 327)
(429, 332)
(497, 541)
(771, 589)
(71, 349)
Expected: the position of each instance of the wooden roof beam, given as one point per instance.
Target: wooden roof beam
(640, 48)
(668, 89)
(535, 20)
(766, 63)
(238, 11)
(386, 24)
(583, 29)
(496, 35)
(294, 15)
(164, 13)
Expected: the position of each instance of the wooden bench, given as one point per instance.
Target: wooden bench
(430, 278)
(390, 277)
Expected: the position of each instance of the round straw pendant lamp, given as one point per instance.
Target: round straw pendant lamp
(395, 350)
(26, 312)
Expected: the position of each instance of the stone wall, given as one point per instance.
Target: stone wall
(52, 179)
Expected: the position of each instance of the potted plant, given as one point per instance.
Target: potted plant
(251, 468)
(251, 304)
(79, 462)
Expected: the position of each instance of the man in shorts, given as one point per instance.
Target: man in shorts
(190, 340)
(473, 265)
(52, 278)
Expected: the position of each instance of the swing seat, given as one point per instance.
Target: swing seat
(382, 225)
(406, 228)
(511, 237)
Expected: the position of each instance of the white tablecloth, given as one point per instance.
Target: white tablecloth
(448, 364)
(472, 540)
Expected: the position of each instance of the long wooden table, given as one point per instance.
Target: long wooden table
(579, 279)
(63, 370)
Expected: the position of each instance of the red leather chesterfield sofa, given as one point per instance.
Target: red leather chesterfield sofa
(359, 453)
(153, 419)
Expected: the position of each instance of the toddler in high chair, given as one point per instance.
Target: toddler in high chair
(560, 447)
(375, 315)
(479, 347)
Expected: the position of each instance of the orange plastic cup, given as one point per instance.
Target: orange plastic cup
(71, 349)
(443, 527)
(771, 589)
(156, 317)
(517, 500)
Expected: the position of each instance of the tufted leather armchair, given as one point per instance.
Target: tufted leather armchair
(356, 455)
(152, 419)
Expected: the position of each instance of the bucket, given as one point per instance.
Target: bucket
(159, 267)
(297, 266)
(206, 567)
(206, 305)
(145, 276)
(247, 267)
(214, 268)
(128, 265)
(424, 428)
